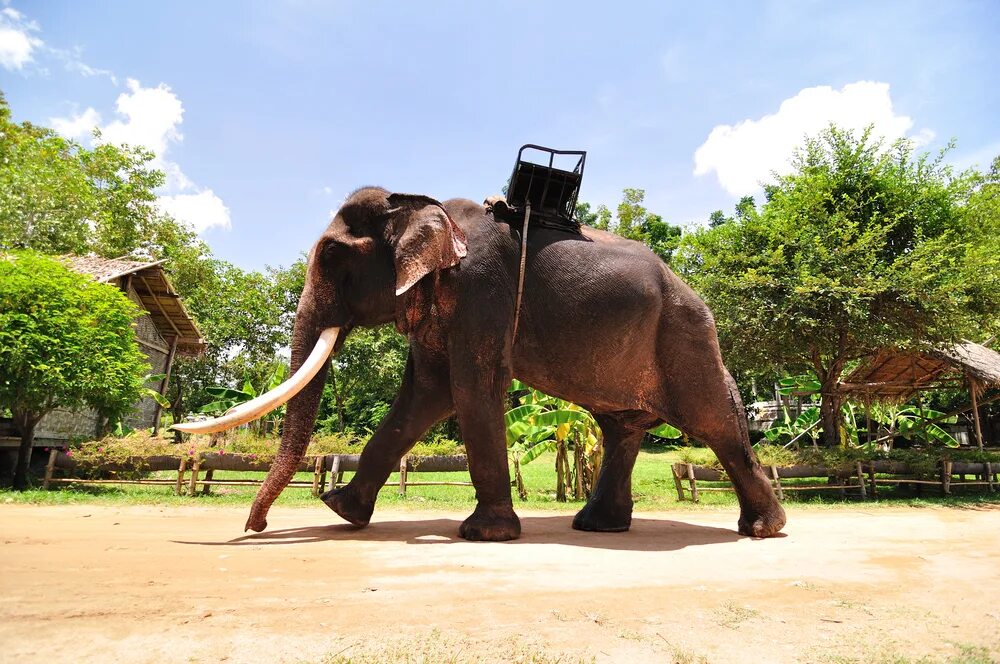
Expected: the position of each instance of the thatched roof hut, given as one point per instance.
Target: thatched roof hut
(895, 375)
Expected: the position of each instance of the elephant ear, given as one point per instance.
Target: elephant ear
(424, 239)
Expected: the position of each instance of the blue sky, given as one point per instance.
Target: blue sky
(265, 114)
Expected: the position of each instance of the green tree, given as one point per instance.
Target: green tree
(634, 222)
(45, 197)
(59, 197)
(65, 341)
(363, 380)
(718, 218)
(864, 245)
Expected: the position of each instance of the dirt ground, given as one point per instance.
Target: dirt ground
(152, 584)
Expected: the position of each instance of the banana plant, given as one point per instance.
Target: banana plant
(787, 430)
(914, 423)
(227, 398)
(542, 423)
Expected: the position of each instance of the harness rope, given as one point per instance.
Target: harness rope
(520, 273)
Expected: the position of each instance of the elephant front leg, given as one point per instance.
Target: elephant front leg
(424, 399)
(480, 417)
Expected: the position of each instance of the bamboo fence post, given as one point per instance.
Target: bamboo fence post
(946, 476)
(402, 475)
(777, 482)
(193, 485)
(322, 476)
(334, 472)
(50, 468)
(861, 480)
(694, 483)
(871, 479)
(989, 476)
(317, 469)
(180, 476)
(677, 481)
(206, 488)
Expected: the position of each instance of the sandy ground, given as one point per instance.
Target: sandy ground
(150, 584)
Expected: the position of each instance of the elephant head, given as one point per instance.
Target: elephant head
(378, 246)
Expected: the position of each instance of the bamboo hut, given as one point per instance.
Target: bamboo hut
(897, 375)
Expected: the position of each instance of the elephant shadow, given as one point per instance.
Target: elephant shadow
(645, 534)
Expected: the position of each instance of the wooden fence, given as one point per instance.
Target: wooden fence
(861, 479)
(191, 472)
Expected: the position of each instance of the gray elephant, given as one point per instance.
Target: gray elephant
(603, 323)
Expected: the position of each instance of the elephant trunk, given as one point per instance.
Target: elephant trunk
(299, 418)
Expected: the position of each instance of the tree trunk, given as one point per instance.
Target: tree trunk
(830, 414)
(26, 422)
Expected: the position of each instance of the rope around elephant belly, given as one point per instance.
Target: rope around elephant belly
(520, 273)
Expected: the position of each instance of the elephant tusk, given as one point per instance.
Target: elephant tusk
(265, 403)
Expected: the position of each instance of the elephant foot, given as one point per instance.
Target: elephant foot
(603, 518)
(345, 503)
(491, 524)
(765, 522)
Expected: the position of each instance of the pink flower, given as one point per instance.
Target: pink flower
(221, 452)
(100, 449)
(69, 452)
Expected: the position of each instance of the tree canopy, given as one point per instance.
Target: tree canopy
(864, 245)
(65, 341)
(635, 222)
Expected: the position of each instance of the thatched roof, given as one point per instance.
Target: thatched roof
(157, 295)
(893, 375)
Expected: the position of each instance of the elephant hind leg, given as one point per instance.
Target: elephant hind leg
(610, 506)
(711, 410)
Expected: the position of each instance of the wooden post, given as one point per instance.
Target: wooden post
(693, 482)
(180, 476)
(207, 488)
(989, 476)
(946, 476)
(777, 482)
(975, 413)
(871, 479)
(50, 468)
(861, 480)
(163, 386)
(402, 475)
(317, 470)
(334, 472)
(193, 485)
(677, 481)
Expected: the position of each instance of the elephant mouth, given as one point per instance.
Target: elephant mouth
(265, 403)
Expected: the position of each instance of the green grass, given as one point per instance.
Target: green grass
(652, 488)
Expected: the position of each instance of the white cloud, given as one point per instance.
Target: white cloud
(201, 211)
(78, 127)
(17, 41)
(745, 154)
(151, 118)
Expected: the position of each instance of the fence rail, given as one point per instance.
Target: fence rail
(328, 471)
(863, 478)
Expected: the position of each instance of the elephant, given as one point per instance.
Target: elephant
(603, 323)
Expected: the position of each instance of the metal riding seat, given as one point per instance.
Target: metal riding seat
(550, 192)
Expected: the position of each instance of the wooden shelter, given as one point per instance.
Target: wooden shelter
(896, 375)
(164, 330)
